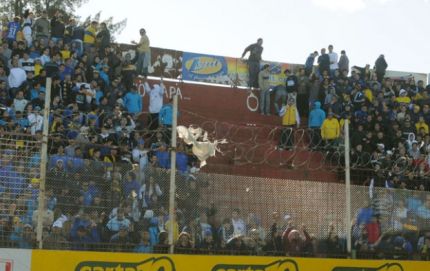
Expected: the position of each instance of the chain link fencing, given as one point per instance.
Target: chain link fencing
(103, 198)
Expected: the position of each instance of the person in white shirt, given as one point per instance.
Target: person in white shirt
(45, 58)
(140, 155)
(333, 59)
(155, 102)
(238, 223)
(17, 75)
(36, 120)
(19, 102)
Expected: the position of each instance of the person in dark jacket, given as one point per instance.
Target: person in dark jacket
(103, 38)
(309, 64)
(343, 62)
(84, 238)
(380, 67)
(323, 62)
(255, 50)
(57, 27)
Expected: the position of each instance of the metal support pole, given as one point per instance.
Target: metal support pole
(43, 163)
(173, 176)
(347, 188)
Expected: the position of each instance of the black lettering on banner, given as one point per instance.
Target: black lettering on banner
(281, 265)
(385, 267)
(152, 264)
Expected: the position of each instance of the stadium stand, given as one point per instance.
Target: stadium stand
(108, 170)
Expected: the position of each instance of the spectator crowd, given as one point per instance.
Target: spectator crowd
(105, 185)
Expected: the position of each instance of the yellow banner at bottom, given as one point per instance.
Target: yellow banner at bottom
(97, 261)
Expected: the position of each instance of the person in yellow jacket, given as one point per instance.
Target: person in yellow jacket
(90, 35)
(143, 53)
(330, 130)
(403, 97)
(421, 124)
(290, 120)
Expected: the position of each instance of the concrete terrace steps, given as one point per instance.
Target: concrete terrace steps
(253, 138)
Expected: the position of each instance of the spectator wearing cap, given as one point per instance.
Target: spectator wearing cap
(290, 120)
(264, 85)
(330, 130)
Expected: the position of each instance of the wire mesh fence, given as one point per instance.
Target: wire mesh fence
(100, 197)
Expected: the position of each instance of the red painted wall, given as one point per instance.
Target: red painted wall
(223, 112)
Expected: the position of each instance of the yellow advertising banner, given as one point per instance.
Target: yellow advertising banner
(98, 261)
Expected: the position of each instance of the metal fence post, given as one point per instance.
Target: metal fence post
(43, 163)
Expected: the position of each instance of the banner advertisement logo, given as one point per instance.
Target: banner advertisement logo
(152, 264)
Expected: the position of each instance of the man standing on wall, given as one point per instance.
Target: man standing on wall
(323, 62)
(333, 60)
(343, 62)
(143, 53)
(309, 64)
(380, 68)
(255, 50)
(264, 84)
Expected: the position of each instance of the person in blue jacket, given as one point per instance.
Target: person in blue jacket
(166, 115)
(13, 28)
(316, 119)
(144, 245)
(133, 101)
